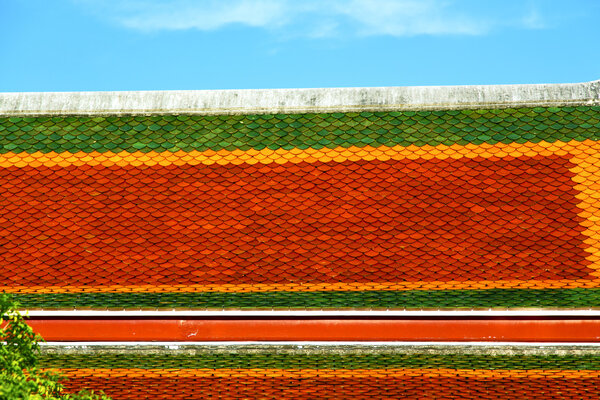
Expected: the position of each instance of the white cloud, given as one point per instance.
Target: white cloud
(409, 17)
(533, 20)
(203, 15)
(312, 18)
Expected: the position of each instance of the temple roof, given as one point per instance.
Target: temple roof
(359, 198)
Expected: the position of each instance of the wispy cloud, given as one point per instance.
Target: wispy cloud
(409, 17)
(533, 20)
(203, 15)
(312, 18)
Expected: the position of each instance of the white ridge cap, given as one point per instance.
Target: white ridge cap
(261, 101)
(312, 313)
(139, 345)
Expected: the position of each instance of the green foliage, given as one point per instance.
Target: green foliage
(20, 377)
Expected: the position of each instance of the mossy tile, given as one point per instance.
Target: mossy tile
(153, 145)
(140, 127)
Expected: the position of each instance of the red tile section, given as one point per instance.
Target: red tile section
(367, 388)
(364, 221)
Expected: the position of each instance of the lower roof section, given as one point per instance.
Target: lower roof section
(330, 356)
(340, 372)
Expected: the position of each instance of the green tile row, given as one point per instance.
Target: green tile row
(410, 299)
(379, 358)
(286, 131)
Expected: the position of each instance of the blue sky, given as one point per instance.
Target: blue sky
(80, 45)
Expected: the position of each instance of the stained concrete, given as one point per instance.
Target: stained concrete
(186, 349)
(221, 102)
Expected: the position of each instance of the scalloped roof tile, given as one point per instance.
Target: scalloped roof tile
(392, 198)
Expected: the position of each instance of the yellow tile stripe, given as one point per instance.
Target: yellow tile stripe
(310, 287)
(587, 181)
(327, 373)
(280, 156)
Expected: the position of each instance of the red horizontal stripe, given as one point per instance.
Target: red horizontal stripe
(372, 329)
(367, 388)
(465, 219)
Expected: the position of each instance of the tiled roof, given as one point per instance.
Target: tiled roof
(332, 372)
(437, 208)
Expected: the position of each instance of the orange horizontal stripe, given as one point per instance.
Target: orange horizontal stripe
(327, 373)
(310, 287)
(280, 156)
(319, 329)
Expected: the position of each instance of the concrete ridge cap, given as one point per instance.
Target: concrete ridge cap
(262, 101)
(483, 348)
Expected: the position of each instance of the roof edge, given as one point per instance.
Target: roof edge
(263, 101)
(315, 348)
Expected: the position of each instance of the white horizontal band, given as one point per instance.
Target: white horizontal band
(176, 345)
(258, 101)
(315, 313)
